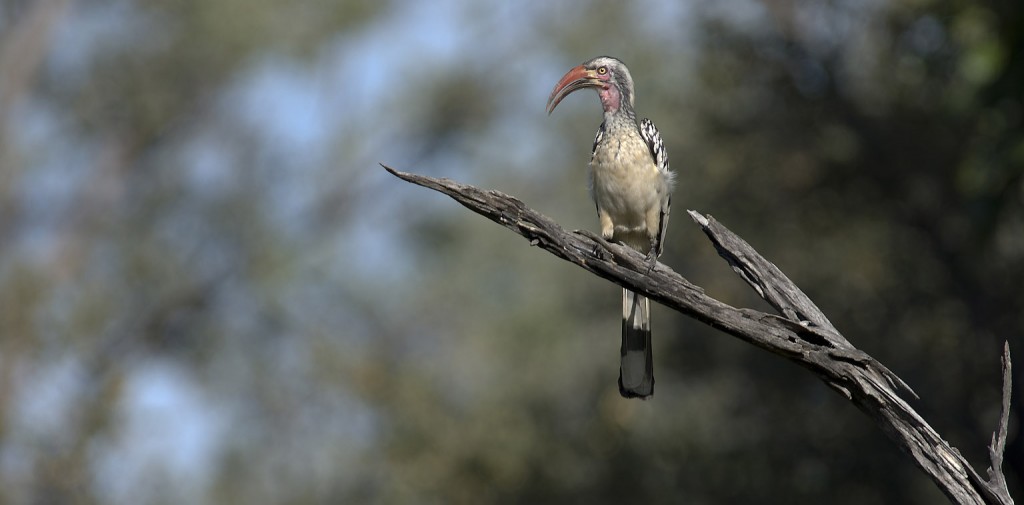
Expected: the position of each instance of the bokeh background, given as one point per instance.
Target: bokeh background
(211, 293)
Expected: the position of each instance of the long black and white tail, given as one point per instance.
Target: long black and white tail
(636, 370)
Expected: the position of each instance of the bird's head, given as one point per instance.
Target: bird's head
(607, 75)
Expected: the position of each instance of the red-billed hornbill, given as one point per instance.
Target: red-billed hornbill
(632, 186)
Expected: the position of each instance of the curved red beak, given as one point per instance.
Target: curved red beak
(575, 79)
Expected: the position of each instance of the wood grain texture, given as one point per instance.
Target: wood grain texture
(800, 332)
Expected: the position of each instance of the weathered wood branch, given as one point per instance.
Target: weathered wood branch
(801, 333)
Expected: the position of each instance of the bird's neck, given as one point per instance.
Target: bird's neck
(623, 116)
(616, 108)
(612, 99)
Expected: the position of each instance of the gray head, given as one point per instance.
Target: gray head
(609, 76)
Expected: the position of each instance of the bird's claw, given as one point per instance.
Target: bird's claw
(651, 260)
(600, 244)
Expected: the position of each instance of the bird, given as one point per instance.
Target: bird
(631, 185)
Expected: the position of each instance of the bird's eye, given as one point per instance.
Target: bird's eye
(602, 70)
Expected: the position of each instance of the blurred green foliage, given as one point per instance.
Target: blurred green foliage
(210, 293)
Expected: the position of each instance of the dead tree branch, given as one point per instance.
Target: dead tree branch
(801, 333)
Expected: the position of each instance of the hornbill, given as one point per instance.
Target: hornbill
(631, 184)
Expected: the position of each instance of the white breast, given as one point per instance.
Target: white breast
(624, 180)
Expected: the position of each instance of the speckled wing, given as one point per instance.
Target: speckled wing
(593, 151)
(597, 140)
(652, 137)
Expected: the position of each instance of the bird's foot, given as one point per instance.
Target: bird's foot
(651, 260)
(600, 246)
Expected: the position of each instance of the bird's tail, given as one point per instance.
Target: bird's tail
(636, 370)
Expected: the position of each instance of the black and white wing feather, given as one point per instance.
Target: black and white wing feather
(652, 136)
(597, 140)
(593, 151)
(659, 154)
